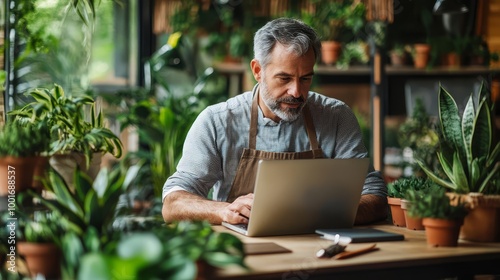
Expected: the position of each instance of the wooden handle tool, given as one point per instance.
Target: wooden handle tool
(349, 254)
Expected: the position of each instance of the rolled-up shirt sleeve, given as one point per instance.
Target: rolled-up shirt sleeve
(200, 165)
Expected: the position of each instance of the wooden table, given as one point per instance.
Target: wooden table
(408, 259)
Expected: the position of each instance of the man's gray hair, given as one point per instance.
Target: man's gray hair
(291, 33)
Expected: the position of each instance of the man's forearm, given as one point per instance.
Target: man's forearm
(372, 208)
(182, 205)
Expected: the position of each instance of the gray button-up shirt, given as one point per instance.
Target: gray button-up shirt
(214, 144)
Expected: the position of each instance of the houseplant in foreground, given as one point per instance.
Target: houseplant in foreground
(442, 220)
(39, 242)
(77, 132)
(395, 193)
(418, 185)
(469, 156)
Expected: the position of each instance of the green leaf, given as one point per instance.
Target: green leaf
(468, 127)
(487, 180)
(101, 182)
(445, 164)
(63, 193)
(93, 213)
(459, 177)
(482, 136)
(450, 120)
(94, 266)
(143, 245)
(435, 178)
(83, 184)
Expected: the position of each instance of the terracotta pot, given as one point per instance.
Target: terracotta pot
(330, 52)
(482, 223)
(66, 165)
(397, 60)
(17, 172)
(452, 60)
(41, 258)
(413, 223)
(421, 55)
(398, 216)
(495, 90)
(442, 232)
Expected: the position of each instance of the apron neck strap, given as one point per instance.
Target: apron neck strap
(311, 131)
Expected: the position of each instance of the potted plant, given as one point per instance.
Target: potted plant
(469, 156)
(330, 20)
(396, 192)
(419, 186)
(442, 219)
(353, 52)
(398, 55)
(419, 139)
(20, 147)
(78, 135)
(39, 242)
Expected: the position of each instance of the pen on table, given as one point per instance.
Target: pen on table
(349, 254)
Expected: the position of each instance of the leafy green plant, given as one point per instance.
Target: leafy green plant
(333, 18)
(468, 152)
(66, 118)
(171, 251)
(353, 52)
(418, 134)
(22, 141)
(434, 204)
(400, 187)
(42, 227)
(163, 122)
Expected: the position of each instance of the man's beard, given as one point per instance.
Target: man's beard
(287, 114)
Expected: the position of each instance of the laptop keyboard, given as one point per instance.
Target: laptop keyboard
(242, 226)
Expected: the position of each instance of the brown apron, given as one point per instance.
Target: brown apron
(247, 169)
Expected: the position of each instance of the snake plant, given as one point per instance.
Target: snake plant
(469, 154)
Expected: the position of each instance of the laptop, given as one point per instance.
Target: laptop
(300, 196)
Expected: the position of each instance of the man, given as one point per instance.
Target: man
(279, 119)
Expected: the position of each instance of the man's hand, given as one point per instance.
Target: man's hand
(238, 212)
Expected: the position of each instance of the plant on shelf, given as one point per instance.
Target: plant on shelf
(20, 148)
(419, 139)
(469, 156)
(439, 215)
(398, 54)
(336, 22)
(76, 128)
(353, 52)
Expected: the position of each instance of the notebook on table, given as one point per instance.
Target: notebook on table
(359, 235)
(300, 196)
